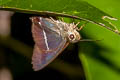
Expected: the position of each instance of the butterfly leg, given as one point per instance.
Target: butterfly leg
(62, 19)
(81, 27)
(52, 19)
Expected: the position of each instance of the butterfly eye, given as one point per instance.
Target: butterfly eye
(72, 36)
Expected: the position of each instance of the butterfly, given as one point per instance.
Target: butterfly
(51, 37)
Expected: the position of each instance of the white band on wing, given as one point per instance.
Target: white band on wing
(45, 37)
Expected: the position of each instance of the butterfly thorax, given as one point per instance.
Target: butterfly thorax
(67, 31)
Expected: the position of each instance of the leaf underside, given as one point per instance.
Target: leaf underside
(78, 9)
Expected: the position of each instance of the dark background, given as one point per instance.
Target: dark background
(20, 64)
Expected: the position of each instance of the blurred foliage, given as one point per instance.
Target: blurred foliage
(100, 59)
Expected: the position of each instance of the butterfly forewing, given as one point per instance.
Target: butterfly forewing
(48, 43)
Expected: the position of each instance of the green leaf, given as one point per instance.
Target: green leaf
(95, 70)
(78, 9)
(101, 59)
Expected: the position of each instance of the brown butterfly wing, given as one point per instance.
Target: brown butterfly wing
(41, 59)
(48, 44)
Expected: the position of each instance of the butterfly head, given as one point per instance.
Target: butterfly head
(73, 34)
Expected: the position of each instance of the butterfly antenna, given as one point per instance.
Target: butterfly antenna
(89, 40)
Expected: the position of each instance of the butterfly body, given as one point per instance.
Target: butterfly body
(51, 38)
